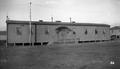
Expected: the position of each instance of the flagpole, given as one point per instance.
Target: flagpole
(30, 36)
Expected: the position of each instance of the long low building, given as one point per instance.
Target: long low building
(3, 37)
(42, 32)
(115, 32)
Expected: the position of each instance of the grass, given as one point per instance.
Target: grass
(79, 56)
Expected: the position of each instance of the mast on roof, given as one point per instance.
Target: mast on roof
(51, 19)
(30, 35)
(7, 18)
(70, 19)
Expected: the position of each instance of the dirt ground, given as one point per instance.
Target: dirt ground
(102, 55)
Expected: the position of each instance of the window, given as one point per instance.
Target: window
(117, 36)
(46, 32)
(112, 31)
(96, 32)
(86, 32)
(18, 31)
(103, 32)
(74, 32)
(22, 25)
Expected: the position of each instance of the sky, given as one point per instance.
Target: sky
(82, 11)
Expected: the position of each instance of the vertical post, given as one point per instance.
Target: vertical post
(30, 36)
(51, 19)
(7, 18)
(7, 35)
(70, 19)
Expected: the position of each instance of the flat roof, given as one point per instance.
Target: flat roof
(19, 22)
(54, 23)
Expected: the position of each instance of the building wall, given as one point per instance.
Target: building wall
(19, 33)
(115, 32)
(48, 33)
(3, 35)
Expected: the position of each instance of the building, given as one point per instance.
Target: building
(115, 32)
(18, 32)
(3, 37)
(44, 33)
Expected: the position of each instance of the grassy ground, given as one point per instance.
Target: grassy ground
(82, 56)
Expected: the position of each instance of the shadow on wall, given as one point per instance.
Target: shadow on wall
(65, 34)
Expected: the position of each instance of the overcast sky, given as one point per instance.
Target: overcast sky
(93, 11)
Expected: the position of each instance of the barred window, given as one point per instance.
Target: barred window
(18, 31)
(112, 31)
(86, 32)
(74, 33)
(103, 32)
(46, 32)
(96, 32)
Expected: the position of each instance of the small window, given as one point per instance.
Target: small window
(18, 31)
(112, 31)
(86, 32)
(74, 33)
(103, 32)
(117, 36)
(96, 32)
(46, 32)
(22, 25)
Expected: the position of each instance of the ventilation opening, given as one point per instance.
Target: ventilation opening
(37, 43)
(27, 44)
(97, 40)
(92, 41)
(80, 41)
(45, 43)
(18, 44)
(117, 36)
(86, 41)
(10, 44)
